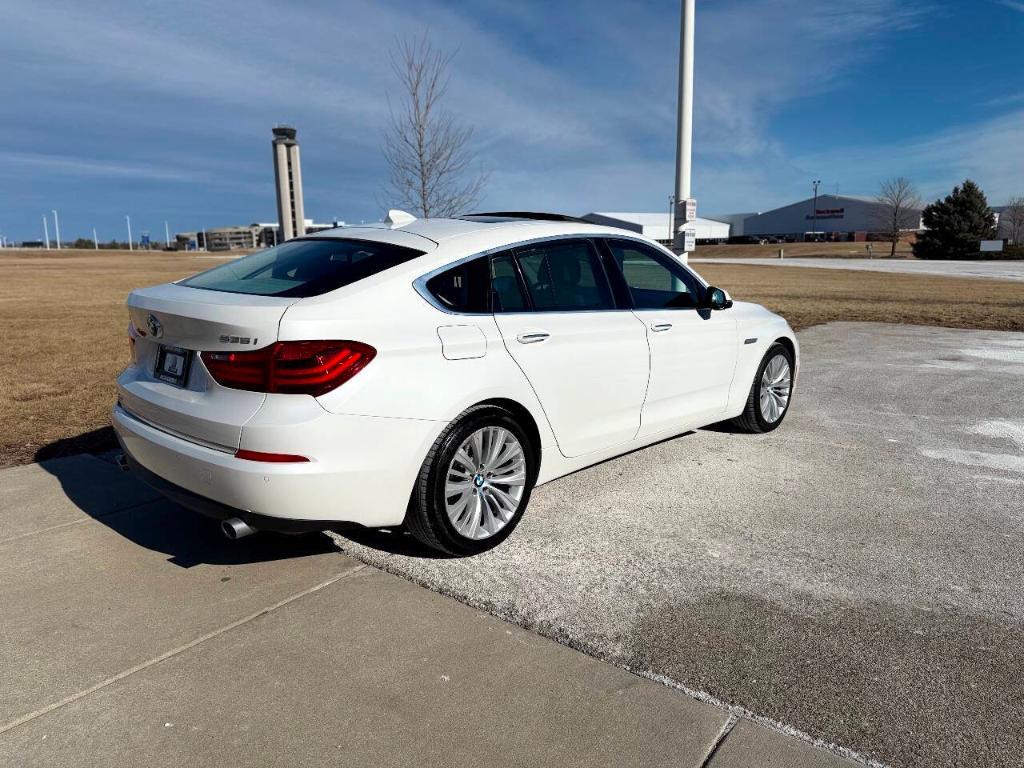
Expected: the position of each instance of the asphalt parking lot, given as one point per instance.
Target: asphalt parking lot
(855, 575)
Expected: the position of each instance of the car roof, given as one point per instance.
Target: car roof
(428, 234)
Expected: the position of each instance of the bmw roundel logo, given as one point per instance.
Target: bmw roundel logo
(478, 481)
(156, 328)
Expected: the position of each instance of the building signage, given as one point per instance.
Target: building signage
(991, 246)
(827, 213)
(691, 209)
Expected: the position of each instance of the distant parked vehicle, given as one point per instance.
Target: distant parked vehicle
(746, 240)
(431, 373)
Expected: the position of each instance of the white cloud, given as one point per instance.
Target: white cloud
(64, 165)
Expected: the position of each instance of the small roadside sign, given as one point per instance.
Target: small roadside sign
(691, 209)
(691, 239)
(991, 246)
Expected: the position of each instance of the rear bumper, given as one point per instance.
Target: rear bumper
(190, 500)
(362, 471)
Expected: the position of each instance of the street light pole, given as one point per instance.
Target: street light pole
(684, 120)
(167, 235)
(128, 219)
(814, 213)
(56, 228)
(46, 233)
(95, 240)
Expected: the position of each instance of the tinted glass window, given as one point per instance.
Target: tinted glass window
(506, 294)
(463, 288)
(654, 280)
(303, 268)
(564, 276)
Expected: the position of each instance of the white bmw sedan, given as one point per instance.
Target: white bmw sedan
(431, 373)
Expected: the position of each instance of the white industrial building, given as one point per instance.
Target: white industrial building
(833, 217)
(657, 225)
(828, 217)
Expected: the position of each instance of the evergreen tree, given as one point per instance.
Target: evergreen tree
(957, 225)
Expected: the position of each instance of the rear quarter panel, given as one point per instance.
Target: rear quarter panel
(410, 377)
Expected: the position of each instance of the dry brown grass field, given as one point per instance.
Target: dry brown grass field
(801, 250)
(62, 327)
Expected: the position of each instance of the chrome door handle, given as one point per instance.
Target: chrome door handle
(661, 327)
(532, 337)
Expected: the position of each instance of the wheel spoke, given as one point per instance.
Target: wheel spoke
(496, 444)
(505, 504)
(475, 448)
(457, 508)
(464, 459)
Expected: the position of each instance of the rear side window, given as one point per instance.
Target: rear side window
(479, 286)
(302, 268)
(505, 288)
(463, 288)
(565, 275)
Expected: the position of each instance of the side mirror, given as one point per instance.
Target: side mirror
(716, 298)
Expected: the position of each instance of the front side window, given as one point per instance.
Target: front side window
(654, 280)
(302, 268)
(564, 275)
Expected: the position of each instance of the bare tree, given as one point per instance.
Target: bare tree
(1011, 220)
(899, 211)
(432, 164)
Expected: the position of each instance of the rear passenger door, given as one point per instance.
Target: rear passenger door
(586, 358)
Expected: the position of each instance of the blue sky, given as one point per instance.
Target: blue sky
(163, 110)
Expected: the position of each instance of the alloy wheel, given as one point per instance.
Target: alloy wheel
(775, 389)
(485, 482)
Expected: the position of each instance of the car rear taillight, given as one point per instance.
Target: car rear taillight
(290, 367)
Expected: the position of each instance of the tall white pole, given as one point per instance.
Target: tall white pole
(167, 235)
(95, 240)
(684, 124)
(56, 228)
(46, 233)
(128, 219)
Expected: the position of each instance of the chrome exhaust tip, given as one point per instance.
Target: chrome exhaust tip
(236, 528)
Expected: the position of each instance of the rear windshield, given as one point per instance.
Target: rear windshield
(302, 268)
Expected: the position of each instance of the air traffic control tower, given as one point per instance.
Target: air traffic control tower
(288, 176)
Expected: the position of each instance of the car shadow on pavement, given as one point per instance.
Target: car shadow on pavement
(395, 541)
(130, 508)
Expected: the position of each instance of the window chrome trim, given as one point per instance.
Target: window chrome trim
(420, 283)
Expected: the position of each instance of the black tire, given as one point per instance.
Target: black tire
(751, 420)
(427, 518)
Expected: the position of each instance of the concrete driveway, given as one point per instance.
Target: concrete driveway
(856, 574)
(989, 270)
(131, 633)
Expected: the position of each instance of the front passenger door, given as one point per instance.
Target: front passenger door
(693, 351)
(586, 359)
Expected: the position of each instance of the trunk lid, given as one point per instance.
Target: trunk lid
(196, 320)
